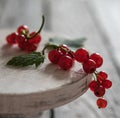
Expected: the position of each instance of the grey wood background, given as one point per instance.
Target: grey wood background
(98, 20)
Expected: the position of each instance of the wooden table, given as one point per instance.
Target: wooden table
(75, 19)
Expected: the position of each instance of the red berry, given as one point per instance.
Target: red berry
(101, 103)
(89, 66)
(81, 55)
(20, 39)
(36, 39)
(22, 28)
(54, 56)
(99, 91)
(93, 85)
(11, 38)
(97, 58)
(22, 43)
(29, 47)
(65, 62)
(106, 84)
(101, 76)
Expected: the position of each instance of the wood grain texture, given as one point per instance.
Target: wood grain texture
(29, 90)
(73, 18)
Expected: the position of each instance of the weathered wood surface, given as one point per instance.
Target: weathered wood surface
(30, 90)
(74, 18)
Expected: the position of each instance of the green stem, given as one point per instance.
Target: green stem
(43, 21)
(51, 46)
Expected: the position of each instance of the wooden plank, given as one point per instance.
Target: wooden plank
(34, 90)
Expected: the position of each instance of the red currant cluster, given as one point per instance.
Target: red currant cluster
(26, 41)
(62, 56)
(90, 63)
(65, 58)
(99, 86)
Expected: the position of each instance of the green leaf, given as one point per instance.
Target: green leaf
(27, 59)
(72, 43)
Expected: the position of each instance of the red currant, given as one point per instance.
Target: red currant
(21, 41)
(54, 56)
(81, 55)
(106, 84)
(65, 62)
(97, 58)
(101, 76)
(29, 47)
(22, 46)
(93, 84)
(101, 103)
(36, 39)
(89, 66)
(22, 28)
(99, 91)
(11, 38)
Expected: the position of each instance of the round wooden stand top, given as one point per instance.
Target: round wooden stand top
(31, 90)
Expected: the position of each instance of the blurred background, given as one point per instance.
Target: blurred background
(97, 20)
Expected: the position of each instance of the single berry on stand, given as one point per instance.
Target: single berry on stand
(81, 55)
(101, 103)
(23, 28)
(97, 58)
(54, 56)
(65, 62)
(89, 66)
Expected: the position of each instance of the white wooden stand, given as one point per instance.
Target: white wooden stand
(25, 92)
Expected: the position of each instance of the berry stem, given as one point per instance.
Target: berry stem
(94, 76)
(68, 51)
(97, 75)
(52, 46)
(43, 21)
(49, 46)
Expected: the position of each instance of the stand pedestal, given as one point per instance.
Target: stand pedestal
(39, 115)
(24, 92)
(20, 115)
